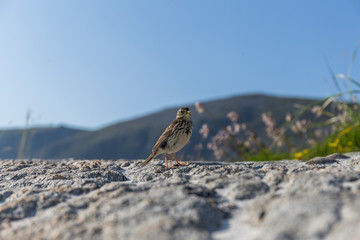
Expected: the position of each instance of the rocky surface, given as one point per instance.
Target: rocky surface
(83, 199)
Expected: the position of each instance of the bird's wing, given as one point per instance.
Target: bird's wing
(163, 138)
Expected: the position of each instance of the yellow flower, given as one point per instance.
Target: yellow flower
(349, 143)
(335, 143)
(347, 149)
(298, 155)
(346, 130)
(301, 154)
(340, 148)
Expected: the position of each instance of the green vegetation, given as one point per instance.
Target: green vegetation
(335, 128)
(345, 124)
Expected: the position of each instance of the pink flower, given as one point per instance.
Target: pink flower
(288, 117)
(229, 129)
(219, 153)
(221, 136)
(300, 126)
(199, 108)
(233, 116)
(198, 147)
(318, 133)
(212, 146)
(237, 128)
(317, 110)
(268, 120)
(204, 130)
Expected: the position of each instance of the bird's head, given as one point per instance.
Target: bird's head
(184, 112)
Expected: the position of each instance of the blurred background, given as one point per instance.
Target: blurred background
(101, 79)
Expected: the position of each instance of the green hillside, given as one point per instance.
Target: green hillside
(36, 141)
(135, 138)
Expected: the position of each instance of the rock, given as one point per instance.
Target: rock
(245, 187)
(332, 158)
(321, 160)
(98, 199)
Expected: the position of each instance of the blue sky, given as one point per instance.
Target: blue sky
(91, 63)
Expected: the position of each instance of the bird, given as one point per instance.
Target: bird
(174, 138)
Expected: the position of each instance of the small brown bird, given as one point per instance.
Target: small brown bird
(174, 138)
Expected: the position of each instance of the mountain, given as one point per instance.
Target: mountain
(134, 139)
(37, 141)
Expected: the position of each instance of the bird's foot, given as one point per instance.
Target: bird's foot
(183, 164)
(180, 164)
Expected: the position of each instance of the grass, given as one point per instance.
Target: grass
(337, 129)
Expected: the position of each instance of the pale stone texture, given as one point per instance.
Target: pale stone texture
(98, 199)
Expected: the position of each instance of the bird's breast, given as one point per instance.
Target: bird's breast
(176, 144)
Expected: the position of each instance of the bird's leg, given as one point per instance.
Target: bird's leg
(180, 164)
(166, 161)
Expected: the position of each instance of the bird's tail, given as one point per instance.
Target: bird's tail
(152, 155)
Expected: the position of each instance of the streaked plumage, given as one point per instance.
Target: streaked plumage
(175, 136)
